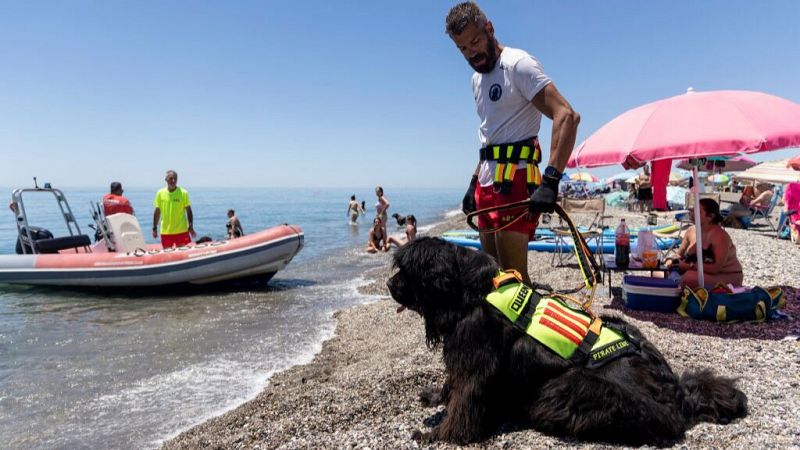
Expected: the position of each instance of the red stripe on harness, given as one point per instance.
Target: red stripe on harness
(559, 319)
(563, 311)
(555, 327)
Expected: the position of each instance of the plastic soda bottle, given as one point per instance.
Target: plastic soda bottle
(622, 249)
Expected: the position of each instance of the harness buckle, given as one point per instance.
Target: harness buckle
(505, 277)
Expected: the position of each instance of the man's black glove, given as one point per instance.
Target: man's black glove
(544, 197)
(468, 203)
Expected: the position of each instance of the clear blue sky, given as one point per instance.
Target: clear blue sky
(345, 94)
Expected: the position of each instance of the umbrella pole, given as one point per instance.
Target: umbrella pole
(697, 230)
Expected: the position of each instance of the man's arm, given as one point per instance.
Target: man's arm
(190, 218)
(565, 124)
(156, 218)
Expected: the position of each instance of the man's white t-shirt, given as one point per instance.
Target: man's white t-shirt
(503, 99)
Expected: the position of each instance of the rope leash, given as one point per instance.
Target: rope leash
(588, 266)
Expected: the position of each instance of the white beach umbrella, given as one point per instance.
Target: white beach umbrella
(770, 172)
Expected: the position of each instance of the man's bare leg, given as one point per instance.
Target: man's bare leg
(512, 251)
(488, 245)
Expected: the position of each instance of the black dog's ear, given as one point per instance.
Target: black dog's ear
(477, 270)
(432, 264)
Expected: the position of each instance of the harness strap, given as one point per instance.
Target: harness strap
(585, 348)
(526, 313)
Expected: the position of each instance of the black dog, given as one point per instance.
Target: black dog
(401, 220)
(496, 374)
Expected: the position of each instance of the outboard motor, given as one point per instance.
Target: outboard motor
(37, 234)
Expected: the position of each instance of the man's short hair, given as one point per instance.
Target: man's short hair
(173, 173)
(115, 186)
(462, 15)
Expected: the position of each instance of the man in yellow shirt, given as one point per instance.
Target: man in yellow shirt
(172, 207)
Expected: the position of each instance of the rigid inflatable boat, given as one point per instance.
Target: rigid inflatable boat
(121, 258)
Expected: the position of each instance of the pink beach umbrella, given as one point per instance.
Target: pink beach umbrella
(693, 125)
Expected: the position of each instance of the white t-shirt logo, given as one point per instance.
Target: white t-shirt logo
(495, 92)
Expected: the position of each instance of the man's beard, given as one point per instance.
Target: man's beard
(487, 59)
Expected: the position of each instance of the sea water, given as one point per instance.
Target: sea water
(98, 369)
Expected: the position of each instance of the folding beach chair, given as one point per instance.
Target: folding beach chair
(785, 223)
(759, 213)
(593, 233)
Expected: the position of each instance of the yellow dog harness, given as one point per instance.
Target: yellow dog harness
(569, 332)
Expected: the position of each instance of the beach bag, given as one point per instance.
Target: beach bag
(722, 305)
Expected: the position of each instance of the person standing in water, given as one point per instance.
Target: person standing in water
(353, 209)
(381, 207)
(233, 225)
(511, 93)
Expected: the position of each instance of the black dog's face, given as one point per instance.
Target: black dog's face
(439, 281)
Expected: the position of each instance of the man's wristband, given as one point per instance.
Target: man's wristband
(155, 227)
(552, 172)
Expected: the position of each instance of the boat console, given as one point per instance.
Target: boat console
(125, 232)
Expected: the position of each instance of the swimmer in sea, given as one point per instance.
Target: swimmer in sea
(353, 210)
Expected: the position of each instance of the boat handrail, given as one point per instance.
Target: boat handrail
(21, 216)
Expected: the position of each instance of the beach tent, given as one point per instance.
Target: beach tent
(771, 172)
(694, 125)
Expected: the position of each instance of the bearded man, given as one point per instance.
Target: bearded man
(511, 92)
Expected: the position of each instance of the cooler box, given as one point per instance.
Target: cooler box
(651, 294)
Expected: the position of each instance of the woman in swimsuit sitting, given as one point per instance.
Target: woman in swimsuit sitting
(720, 264)
(376, 241)
(411, 232)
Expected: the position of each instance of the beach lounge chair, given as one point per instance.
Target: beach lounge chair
(593, 233)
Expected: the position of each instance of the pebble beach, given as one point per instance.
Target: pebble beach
(360, 391)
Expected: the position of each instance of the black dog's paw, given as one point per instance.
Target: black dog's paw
(431, 396)
(435, 419)
(422, 438)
